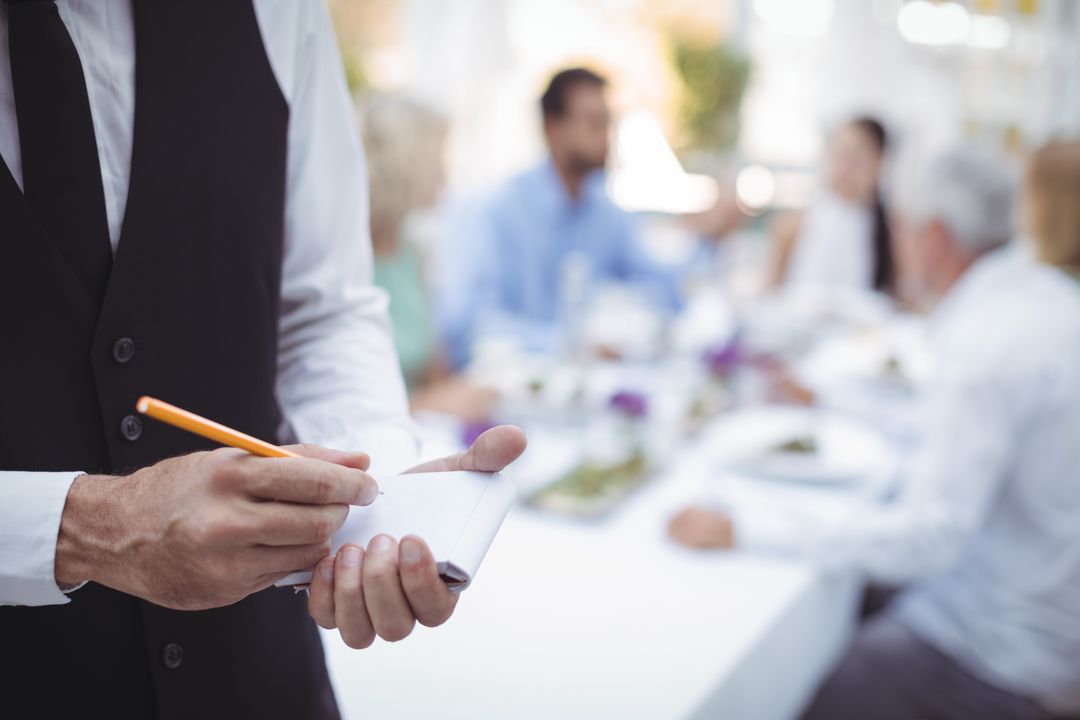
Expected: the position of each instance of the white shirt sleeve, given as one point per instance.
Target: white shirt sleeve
(948, 490)
(31, 504)
(339, 381)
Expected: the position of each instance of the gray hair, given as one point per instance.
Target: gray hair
(403, 141)
(973, 193)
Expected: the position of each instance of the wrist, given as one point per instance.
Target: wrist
(88, 532)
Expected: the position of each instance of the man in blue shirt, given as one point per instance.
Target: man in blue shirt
(548, 233)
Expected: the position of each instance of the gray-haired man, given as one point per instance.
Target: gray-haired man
(984, 534)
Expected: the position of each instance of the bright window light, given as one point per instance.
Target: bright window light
(648, 177)
(988, 31)
(795, 17)
(755, 187)
(926, 23)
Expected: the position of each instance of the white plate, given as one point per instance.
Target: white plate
(862, 357)
(847, 452)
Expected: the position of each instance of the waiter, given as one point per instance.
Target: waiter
(181, 214)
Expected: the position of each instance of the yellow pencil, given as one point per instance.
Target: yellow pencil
(217, 432)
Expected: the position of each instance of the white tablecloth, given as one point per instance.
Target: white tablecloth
(571, 619)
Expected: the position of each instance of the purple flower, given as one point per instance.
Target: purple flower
(629, 403)
(721, 360)
(473, 429)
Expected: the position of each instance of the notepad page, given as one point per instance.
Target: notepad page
(456, 513)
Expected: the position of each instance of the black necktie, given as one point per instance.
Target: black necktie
(60, 167)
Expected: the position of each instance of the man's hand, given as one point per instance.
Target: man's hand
(209, 528)
(702, 528)
(385, 589)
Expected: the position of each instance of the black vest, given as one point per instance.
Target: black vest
(195, 287)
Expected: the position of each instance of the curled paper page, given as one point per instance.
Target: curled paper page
(456, 513)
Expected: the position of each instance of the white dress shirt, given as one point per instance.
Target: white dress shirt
(339, 384)
(986, 531)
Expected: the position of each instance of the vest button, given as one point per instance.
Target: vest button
(123, 350)
(172, 656)
(131, 428)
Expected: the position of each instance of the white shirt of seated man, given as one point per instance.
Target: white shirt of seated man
(985, 532)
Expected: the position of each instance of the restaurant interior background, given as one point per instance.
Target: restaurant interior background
(584, 607)
(1006, 70)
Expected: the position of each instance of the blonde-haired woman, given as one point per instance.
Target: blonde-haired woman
(1052, 199)
(404, 141)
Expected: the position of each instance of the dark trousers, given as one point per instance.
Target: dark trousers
(890, 674)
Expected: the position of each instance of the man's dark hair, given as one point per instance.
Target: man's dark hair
(554, 100)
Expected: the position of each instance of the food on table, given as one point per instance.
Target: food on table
(593, 488)
(894, 371)
(798, 445)
(712, 399)
(893, 366)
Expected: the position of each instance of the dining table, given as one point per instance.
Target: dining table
(609, 618)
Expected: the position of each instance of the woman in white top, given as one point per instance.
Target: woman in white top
(842, 240)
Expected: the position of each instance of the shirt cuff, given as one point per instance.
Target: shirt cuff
(31, 504)
(769, 530)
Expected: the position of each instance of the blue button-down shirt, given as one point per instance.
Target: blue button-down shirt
(512, 250)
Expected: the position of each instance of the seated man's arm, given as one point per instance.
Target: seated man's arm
(951, 484)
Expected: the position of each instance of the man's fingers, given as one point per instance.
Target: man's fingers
(357, 460)
(350, 612)
(431, 601)
(492, 451)
(279, 523)
(387, 606)
(495, 449)
(321, 594)
(309, 481)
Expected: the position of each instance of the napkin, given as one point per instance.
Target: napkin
(456, 513)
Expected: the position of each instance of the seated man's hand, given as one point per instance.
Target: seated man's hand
(209, 528)
(785, 389)
(385, 589)
(702, 528)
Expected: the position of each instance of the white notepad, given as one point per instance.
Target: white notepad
(456, 513)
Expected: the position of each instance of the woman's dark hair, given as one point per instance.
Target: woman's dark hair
(884, 264)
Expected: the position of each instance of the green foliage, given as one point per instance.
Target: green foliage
(354, 71)
(713, 79)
